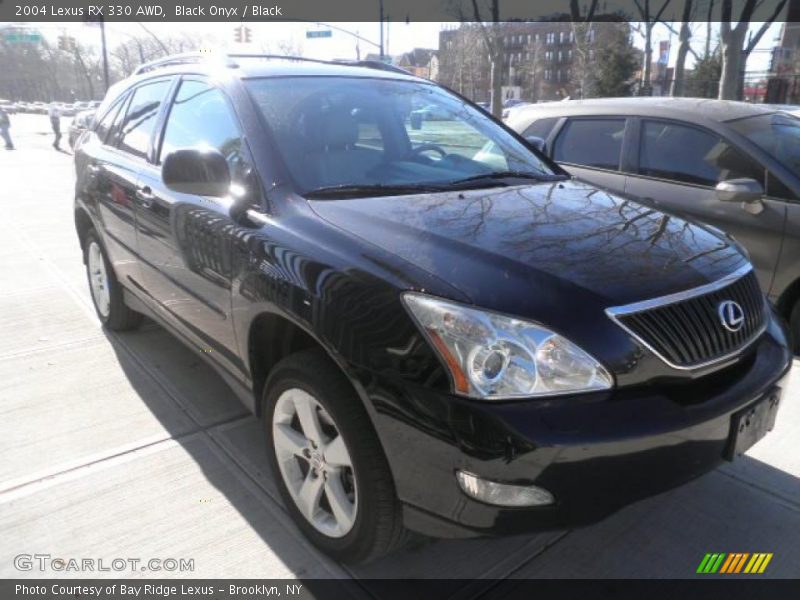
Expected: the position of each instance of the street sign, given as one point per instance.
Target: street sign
(323, 33)
(21, 37)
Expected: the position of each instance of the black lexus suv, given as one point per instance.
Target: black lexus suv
(441, 331)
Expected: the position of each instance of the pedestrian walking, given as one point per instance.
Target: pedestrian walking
(55, 123)
(5, 125)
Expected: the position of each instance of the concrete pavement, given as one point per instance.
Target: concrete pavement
(128, 446)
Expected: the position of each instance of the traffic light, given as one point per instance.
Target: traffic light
(66, 43)
(242, 35)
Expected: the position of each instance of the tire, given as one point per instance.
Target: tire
(375, 522)
(794, 328)
(104, 288)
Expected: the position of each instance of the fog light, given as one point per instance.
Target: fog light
(502, 494)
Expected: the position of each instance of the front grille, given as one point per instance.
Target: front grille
(688, 332)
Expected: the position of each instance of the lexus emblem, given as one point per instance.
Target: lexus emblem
(731, 315)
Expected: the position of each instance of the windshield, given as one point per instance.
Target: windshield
(777, 134)
(351, 133)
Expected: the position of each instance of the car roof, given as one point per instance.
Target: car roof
(267, 65)
(244, 66)
(690, 109)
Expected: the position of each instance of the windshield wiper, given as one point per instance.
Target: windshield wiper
(500, 175)
(378, 189)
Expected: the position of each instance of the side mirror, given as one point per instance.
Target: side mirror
(198, 171)
(745, 190)
(536, 142)
(416, 120)
(739, 190)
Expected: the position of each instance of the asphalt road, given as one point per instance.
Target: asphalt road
(128, 446)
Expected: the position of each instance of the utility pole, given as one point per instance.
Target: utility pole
(380, 22)
(105, 52)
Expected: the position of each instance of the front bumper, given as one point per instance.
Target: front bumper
(594, 452)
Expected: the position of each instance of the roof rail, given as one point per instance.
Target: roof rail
(187, 58)
(372, 64)
(230, 61)
(369, 64)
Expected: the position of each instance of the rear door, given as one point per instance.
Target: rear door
(185, 240)
(678, 165)
(591, 148)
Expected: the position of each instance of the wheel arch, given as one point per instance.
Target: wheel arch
(272, 337)
(788, 299)
(83, 223)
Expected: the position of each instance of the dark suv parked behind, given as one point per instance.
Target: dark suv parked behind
(439, 329)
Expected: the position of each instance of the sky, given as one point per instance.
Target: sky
(399, 37)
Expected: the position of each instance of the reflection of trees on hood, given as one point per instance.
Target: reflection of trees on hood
(560, 224)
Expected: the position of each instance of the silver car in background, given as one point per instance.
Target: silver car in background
(733, 165)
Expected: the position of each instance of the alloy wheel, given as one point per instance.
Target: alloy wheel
(315, 463)
(98, 279)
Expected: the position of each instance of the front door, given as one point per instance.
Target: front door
(678, 167)
(185, 240)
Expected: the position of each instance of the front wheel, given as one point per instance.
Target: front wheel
(330, 466)
(106, 292)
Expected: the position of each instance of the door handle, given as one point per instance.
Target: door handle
(145, 196)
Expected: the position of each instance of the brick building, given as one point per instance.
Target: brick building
(542, 60)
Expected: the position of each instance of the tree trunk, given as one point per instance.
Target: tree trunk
(732, 43)
(646, 88)
(680, 61)
(497, 85)
(707, 52)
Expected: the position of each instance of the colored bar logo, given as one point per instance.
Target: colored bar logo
(734, 562)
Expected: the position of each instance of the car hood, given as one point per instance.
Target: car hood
(541, 247)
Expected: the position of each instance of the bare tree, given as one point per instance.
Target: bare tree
(732, 39)
(684, 41)
(494, 46)
(583, 34)
(648, 21)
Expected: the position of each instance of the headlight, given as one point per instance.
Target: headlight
(496, 357)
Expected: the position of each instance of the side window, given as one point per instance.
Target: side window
(541, 128)
(591, 142)
(691, 155)
(112, 138)
(140, 118)
(104, 125)
(776, 189)
(200, 116)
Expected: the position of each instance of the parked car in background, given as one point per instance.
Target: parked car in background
(10, 108)
(734, 165)
(79, 124)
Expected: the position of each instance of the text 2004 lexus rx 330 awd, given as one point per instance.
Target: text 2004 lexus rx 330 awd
(440, 330)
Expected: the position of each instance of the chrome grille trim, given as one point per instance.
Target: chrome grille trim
(617, 313)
